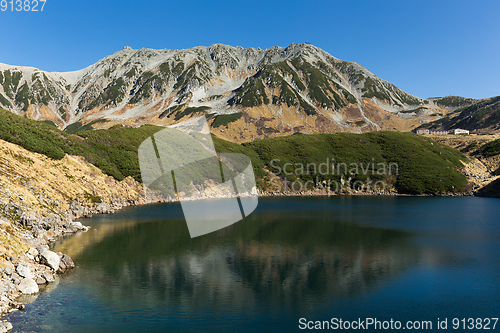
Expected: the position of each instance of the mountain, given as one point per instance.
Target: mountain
(246, 93)
(404, 162)
(477, 115)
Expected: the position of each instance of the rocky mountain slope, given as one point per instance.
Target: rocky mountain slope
(477, 115)
(39, 199)
(248, 93)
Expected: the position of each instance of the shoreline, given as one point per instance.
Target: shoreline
(31, 267)
(40, 264)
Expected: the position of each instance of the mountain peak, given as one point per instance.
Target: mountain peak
(274, 91)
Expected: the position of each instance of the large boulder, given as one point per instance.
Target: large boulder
(66, 263)
(50, 222)
(73, 227)
(28, 286)
(103, 208)
(77, 210)
(13, 209)
(24, 271)
(50, 259)
(5, 327)
(27, 220)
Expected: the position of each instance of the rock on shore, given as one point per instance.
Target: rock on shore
(40, 199)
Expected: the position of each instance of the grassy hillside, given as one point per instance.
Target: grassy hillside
(492, 148)
(114, 151)
(423, 166)
(483, 115)
(411, 163)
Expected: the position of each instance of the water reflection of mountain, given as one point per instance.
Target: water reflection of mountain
(259, 261)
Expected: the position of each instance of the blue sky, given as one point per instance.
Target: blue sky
(427, 48)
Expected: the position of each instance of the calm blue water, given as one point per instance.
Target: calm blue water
(405, 258)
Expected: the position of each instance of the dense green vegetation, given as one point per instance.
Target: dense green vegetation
(32, 135)
(304, 77)
(147, 84)
(411, 163)
(62, 112)
(287, 70)
(375, 89)
(178, 69)
(78, 126)
(492, 148)
(114, 151)
(190, 76)
(423, 166)
(4, 101)
(481, 115)
(165, 68)
(50, 122)
(421, 108)
(454, 101)
(319, 85)
(225, 119)
(191, 110)
(251, 93)
(131, 73)
(113, 94)
(73, 128)
(23, 96)
(170, 111)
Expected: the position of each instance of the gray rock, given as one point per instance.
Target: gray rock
(8, 270)
(48, 277)
(62, 267)
(5, 288)
(51, 259)
(5, 327)
(50, 222)
(42, 248)
(15, 278)
(66, 263)
(12, 208)
(24, 271)
(27, 220)
(28, 286)
(77, 210)
(103, 208)
(40, 280)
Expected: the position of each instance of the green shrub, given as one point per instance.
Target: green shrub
(79, 127)
(491, 148)
(50, 122)
(170, 111)
(4, 101)
(191, 110)
(92, 198)
(225, 119)
(423, 165)
(453, 101)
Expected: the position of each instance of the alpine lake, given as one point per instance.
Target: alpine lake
(295, 263)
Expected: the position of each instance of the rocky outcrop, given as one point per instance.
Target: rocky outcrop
(50, 258)
(38, 205)
(28, 286)
(272, 92)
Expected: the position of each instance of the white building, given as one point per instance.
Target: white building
(460, 131)
(423, 131)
